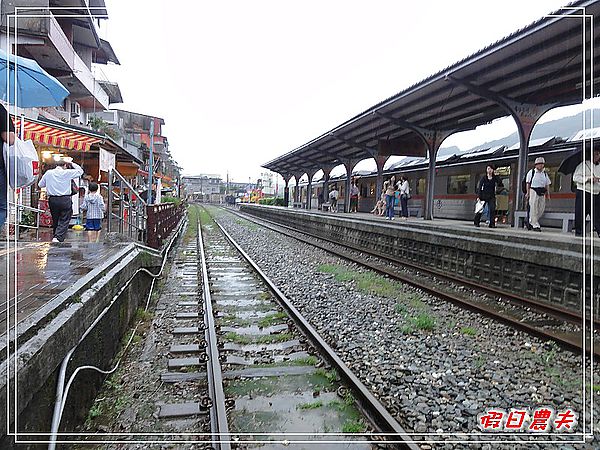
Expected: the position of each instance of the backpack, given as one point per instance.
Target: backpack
(524, 182)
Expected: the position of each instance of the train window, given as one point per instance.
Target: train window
(420, 187)
(458, 184)
(504, 174)
(555, 178)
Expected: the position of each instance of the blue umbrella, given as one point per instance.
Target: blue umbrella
(35, 87)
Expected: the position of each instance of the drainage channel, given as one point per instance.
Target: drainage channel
(279, 390)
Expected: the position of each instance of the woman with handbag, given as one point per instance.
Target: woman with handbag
(404, 189)
(486, 192)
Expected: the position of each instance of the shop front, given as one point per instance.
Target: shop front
(96, 153)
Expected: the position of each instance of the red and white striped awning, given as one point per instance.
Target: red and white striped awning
(55, 136)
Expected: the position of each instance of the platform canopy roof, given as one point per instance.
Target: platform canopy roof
(539, 64)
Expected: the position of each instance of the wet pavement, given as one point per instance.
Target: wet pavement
(44, 270)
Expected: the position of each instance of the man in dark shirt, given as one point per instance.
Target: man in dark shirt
(7, 134)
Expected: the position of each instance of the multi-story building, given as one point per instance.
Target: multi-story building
(132, 131)
(203, 187)
(65, 42)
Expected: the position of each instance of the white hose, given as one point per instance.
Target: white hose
(61, 391)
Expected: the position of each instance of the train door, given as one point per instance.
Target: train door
(502, 194)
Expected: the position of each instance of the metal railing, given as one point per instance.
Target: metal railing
(131, 218)
(162, 220)
(18, 210)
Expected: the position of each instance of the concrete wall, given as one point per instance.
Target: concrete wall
(48, 335)
(35, 25)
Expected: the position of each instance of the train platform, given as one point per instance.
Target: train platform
(553, 237)
(546, 266)
(44, 270)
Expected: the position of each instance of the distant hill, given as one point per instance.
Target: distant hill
(565, 128)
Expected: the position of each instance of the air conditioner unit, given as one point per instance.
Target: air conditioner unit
(75, 109)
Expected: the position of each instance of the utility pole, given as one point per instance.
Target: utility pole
(151, 163)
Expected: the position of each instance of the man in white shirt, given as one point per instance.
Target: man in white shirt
(57, 182)
(587, 179)
(538, 190)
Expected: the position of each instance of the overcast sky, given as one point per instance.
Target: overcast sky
(241, 82)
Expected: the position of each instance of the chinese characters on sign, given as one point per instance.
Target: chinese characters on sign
(542, 419)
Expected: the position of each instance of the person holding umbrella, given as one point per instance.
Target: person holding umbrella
(587, 178)
(35, 88)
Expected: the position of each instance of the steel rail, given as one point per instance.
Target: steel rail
(561, 313)
(564, 340)
(368, 404)
(218, 414)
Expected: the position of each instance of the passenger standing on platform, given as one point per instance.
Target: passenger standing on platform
(404, 196)
(354, 197)
(7, 134)
(538, 184)
(333, 198)
(486, 192)
(57, 182)
(587, 178)
(390, 195)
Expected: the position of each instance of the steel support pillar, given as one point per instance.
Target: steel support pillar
(380, 161)
(349, 165)
(525, 116)
(433, 140)
(326, 172)
(311, 174)
(296, 191)
(286, 190)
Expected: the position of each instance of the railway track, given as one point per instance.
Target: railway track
(503, 307)
(270, 379)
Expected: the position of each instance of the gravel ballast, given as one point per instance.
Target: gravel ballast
(434, 365)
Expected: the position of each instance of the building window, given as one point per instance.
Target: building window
(371, 190)
(458, 184)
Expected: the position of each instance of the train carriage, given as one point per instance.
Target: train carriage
(456, 181)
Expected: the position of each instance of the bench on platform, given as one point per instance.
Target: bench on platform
(325, 206)
(568, 219)
(411, 211)
(298, 205)
(414, 212)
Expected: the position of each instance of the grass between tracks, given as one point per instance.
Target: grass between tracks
(410, 306)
